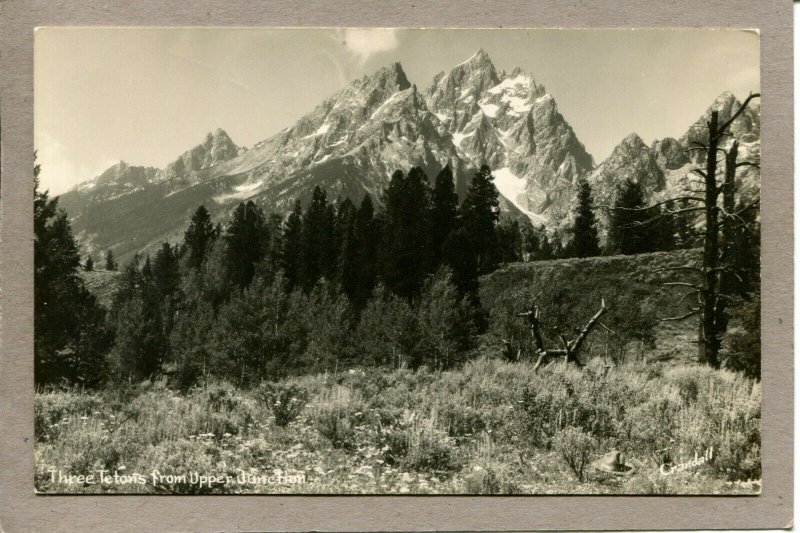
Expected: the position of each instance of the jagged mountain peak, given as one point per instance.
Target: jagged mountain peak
(391, 78)
(464, 84)
(746, 127)
(217, 147)
(218, 135)
(632, 141)
(479, 58)
(112, 173)
(670, 153)
(352, 142)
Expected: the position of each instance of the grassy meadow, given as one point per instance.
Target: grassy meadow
(490, 427)
(486, 426)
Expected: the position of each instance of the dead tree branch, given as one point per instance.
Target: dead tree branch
(571, 348)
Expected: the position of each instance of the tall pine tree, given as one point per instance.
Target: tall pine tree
(70, 334)
(291, 259)
(319, 246)
(405, 247)
(480, 212)
(509, 241)
(246, 241)
(630, 228)
(110, 263)
(443, 215)
(198, 237)
(584, 241)
(367, 235)
(346, 247)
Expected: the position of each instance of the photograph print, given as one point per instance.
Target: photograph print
(397, 261)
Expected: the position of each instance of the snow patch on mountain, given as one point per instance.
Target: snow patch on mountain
(241, 192)
(490, 110)
(513, 188)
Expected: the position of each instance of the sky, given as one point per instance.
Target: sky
(146, 95)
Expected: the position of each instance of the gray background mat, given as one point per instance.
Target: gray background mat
(22, 510)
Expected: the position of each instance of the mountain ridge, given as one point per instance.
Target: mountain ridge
(352, 141)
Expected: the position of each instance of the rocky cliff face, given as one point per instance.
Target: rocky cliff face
(215, 148)
(664, 168)
(511, 123)
(353, 141)
(631, 160)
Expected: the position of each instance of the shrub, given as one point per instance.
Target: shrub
(744, 350)
(285, 401)
(427, 448)
(336, 427)
(575, 447)
(488, 481)
(222, 396)
(334, 415)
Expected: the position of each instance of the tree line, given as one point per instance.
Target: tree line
(332, 284)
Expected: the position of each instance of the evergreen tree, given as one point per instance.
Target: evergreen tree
(509, 241)
(480, 212)
(110, 263)
(70, 335)
(166, 282)
(584, 241)
(366, 235)
(406, 249)
(463, 263)
(319, 246)
(291, 259)
(630, 230)
(198, 236)
(444, 213)
(245, 243)
(139, 345)
(272, 262)
(744, 258)
(685, 236)
(664, 228)
(529, 241)
(347, 252)
(546, 248)
(88, 266)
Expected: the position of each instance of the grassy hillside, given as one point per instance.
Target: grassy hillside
(489, 427)
(569, 292)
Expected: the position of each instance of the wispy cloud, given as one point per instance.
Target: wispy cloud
(363, 43)
(59, 171)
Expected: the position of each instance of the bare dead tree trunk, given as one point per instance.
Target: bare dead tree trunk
(716, 271)
(707, 342)
(726, 280)
(571, 348)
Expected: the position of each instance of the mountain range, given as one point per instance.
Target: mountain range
(353, 141)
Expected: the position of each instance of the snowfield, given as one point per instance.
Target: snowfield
(512, 188)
